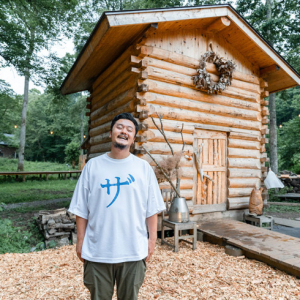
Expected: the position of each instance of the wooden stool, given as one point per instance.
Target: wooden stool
(177, 227)
(259, 221)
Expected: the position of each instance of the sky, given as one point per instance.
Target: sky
(11, 76)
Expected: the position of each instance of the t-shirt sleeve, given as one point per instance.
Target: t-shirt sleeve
(79, 202)
(155, 202)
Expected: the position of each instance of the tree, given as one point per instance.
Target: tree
(10, 109)
(27, 27)
(278, 22)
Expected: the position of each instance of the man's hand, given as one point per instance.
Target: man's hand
(151, 247)
(81, 227)
(78, 251)
(152, 229)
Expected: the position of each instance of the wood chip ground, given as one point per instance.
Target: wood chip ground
(206, 273)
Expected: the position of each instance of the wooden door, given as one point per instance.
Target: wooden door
(212, 149)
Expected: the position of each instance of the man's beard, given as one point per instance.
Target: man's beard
(120, 146)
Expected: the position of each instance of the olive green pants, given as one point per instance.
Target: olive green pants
(100, 279)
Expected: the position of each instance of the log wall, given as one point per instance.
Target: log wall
(155, 76)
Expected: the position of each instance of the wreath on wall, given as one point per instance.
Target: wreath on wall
(224, 67)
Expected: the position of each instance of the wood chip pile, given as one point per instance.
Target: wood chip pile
(291, 180)
(57, 226)
(206, 273)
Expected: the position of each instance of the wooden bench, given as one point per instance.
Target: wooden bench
(41, 173)
(288, 196)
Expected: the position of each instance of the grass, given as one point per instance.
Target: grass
(11, 165)
(19, 231)
(16, 192)
(282, 209)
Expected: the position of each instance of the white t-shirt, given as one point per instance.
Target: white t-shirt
(116, 196)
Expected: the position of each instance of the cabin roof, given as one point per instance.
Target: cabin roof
(117, 30)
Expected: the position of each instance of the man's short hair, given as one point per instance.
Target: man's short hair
(126, 116)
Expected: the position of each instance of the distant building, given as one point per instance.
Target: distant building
(6, 150)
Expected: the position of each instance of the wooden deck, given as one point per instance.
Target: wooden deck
(278, 250)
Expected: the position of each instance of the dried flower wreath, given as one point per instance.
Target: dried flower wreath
(224, 67)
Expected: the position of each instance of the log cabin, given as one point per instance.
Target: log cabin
(144, 61)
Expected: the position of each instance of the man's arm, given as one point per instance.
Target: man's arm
(152, 229)
(81, 227)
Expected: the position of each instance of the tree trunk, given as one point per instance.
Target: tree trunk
(81, 132)
(272, 108)
(273, 134)
(23, 124)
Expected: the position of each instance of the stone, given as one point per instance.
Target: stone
(199, 236)
(233, 251)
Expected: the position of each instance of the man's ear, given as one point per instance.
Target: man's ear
(110, 134)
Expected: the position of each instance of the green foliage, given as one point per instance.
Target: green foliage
(13, 239)
(62, 119)
(273, 192)
(282, 209)
(9, 165)
(10, 110)
(289, 145)
(72, 152)
(17, 192)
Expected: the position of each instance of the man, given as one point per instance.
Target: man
(116, 196)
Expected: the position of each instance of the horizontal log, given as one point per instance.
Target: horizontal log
(124, 86)
(237, 152)
(244, 136)
(243, 182)
(244, 163)
(159, 158)
(238, 203)
(227, 129)
(184, 184)
(187, 194)
(100, 129)
(171, 125)
(114, 103)
(163, 148)
(100, 139)
(263, 148)
(164, 65)
(188, 172)
(264, 159)
(239, 192)
(203, 118)
(218, 25)
(211, 108)
(265, 120)
(100, 148)
(244, 173)
(264, 141)
(244, 144)
(164, 93)
(178, 78)
(264, 94)
(263, 83)
(265, 111)
(119, 64)
(102, 91)
(153, 135)
(189, 62)
(265, 130)
(264, 103)
(127, 107)
(231, 92)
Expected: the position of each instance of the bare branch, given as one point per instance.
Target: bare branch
(162, 170)
(183, 143)
(162, 130)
